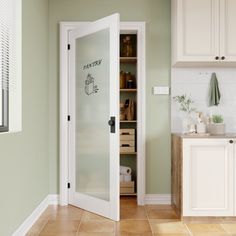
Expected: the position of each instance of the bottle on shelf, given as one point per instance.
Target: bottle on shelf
(122, 80)
(122, 111)
(127, 49)
(130, 81)
(129, 109)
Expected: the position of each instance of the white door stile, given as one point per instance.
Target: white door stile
(107, 209)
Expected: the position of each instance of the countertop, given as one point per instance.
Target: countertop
(226, 135)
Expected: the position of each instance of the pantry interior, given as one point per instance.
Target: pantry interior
(128, 118)
(132, 76)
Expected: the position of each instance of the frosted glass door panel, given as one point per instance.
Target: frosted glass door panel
(92, 115)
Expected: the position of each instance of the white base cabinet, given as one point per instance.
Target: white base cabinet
(208, 177)
(203, 176)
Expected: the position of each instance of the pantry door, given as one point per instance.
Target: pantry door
(94, 110)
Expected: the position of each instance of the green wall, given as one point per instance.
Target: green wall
(24, 162)
(156, 13)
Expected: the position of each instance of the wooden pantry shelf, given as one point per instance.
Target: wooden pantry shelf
(128, 121)
(128, 153)
(128, 194)
(128, 59)
(128, 90)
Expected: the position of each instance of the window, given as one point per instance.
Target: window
(10, 65)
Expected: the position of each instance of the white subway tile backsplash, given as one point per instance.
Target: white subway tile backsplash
(195, 82)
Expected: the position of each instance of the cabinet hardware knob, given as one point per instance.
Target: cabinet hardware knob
(223, 58)
(217, 58)
(231, 141)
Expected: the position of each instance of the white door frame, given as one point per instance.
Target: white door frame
(138, 27)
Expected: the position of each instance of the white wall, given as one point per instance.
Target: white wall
(195, 82)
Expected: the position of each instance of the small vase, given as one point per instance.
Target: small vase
(201, 128)
(187, 124)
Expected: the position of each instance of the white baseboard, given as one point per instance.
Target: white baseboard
(53, 199)
(29, 222)
(157, 199)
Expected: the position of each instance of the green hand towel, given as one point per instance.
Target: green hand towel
(214, 95)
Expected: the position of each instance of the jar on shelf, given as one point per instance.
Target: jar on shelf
(129, 81)
(122, 80)
(130, 110)
(127, 49)
(122, 111)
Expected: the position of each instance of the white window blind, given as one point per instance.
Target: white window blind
(10, 57)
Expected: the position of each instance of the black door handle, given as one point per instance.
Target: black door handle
(112, 124)
(231, 141)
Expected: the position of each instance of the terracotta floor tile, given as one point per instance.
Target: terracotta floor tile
(205, 228)
(133, 213)
(168, 227)
(159, 207)
(57, 234)
(230, 228)
(172, 235)
(91, 216)
(57, 227)
(37, 227)
(128, 202)
(154, 213)
(133, 227)
(99, 226)
(94, 234)
(133, 234)
(211, 234)
(63, 213)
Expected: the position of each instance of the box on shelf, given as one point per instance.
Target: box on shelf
(127, 187)
(127, 131)
(127, 143)
(127, 140)
(127, 149)
(127, 134)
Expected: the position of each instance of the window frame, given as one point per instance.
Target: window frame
(11, 78)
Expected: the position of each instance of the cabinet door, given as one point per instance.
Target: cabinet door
(228, 30)
(208, 177)
(197, 30)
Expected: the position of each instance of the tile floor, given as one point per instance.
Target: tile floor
(135, 220)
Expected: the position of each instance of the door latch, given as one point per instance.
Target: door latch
(112, 124)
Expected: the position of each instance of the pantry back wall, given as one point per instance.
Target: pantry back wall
(156, 14)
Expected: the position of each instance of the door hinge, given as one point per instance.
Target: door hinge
(68, 185)
(68, 46)
(68, 118)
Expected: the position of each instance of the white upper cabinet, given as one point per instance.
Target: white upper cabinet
(203, 32)
(228, 30)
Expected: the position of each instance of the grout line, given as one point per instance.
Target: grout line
(225, 229)
(148, 220)
(77, 231)
(190, 233)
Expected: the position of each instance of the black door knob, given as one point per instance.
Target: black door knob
(231, 141)
(111, 122)
(217, 58)
(223, 58)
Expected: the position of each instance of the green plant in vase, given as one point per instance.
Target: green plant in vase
(217, 126)
(186, 105)
(217, 119)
